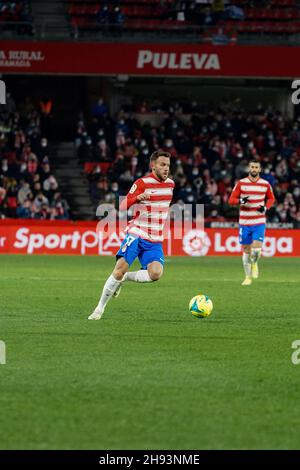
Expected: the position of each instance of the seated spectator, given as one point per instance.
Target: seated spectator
(40, 200)
(103, 17)
(117, 20)
(102, 152)
(59, 207)
(23, 210)
(24, 191)
(99, 108)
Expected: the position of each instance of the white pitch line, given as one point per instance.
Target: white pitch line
(40, 278)
(59, 279)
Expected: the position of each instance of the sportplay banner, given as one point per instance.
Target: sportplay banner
(82, 238)
(80, 58)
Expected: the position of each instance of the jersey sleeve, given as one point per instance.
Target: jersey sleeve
(234, 198)
(270, 197)
(136, 189)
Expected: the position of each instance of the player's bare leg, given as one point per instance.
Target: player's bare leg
(153, 272)
(255, 255)
(112, 284)
(247, 265)
(119, 273)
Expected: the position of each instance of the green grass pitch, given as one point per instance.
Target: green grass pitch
(148, 375)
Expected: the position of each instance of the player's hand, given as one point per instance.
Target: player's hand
(261, 209)
(143, 197)
(243, 200)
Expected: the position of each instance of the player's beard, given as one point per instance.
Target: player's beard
(161, 175)
(254, 175)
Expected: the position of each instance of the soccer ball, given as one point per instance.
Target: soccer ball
(200, 306)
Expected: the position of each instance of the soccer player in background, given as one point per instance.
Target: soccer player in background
(255, 196)
(144, 233)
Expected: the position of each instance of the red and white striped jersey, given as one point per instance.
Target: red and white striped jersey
(260, 193)
(151, 214)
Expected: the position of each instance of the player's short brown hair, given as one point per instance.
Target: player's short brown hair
(159, 153)
(253, 160)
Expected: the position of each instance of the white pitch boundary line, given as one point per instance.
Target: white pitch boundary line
(41, 278)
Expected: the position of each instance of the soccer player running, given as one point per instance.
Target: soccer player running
(144, 233)
(255, 196)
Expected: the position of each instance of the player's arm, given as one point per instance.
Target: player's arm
(270, 199)
(235, 196)
(136, 194)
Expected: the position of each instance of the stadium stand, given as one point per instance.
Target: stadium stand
(210, 152)
(16, 16)
(216, 21)
(205, 20)
(28, 186)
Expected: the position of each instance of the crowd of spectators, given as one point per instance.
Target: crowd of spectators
(110, 17)
(212, 21)
(28, 187)
(111, 12)
(210, 150)
(16, 16)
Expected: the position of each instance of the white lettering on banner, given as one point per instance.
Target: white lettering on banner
(114, 241)
(87, 241)
(180, 61)
(285, 245)
(51, 241)
(194, 242)
(20, 58)
(231, 244)
(282, 245)
(197, 244)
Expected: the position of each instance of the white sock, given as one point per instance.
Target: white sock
(138, 276)
(109, 289)
(255, 254)
(247, 264)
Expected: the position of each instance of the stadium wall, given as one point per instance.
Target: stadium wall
(82, 238)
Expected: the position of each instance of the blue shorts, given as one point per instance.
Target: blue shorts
(133, 247)
(249, 233)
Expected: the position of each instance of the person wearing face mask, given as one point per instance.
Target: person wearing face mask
(255, 196)
(43, 149)
(24, 191)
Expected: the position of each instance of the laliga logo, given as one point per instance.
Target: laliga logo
(196, 243)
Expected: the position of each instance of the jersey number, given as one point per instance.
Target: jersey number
(128, 241)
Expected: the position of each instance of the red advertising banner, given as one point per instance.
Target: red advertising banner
(57, 57)
(35, 237)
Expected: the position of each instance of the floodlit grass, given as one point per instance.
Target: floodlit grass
(148, 375)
